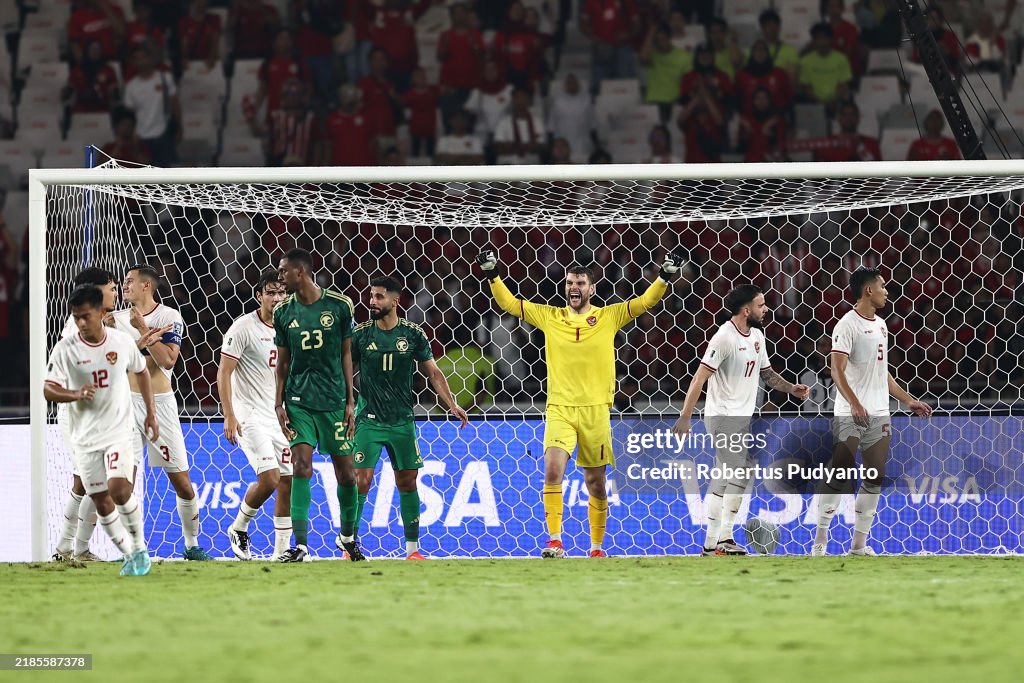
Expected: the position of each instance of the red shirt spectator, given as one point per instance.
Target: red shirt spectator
(845, 35)
(760, 73)
(460, 51)
(99, 20)
(393, 30)
(848, 144)
(274, 73)
(422, 104)
(350, 133)
(933, 146)
(254, 24)
(763, 135)
(706, 76)
(609, 21)
(140, 29)
(93, 83)
(200, 32)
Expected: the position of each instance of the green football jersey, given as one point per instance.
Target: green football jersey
(386, 360)
(314, 336)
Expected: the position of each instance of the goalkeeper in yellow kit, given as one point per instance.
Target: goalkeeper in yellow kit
(579, 343)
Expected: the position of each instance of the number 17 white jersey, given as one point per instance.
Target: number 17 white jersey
(736, 359)
(250, 341)
(866, 342)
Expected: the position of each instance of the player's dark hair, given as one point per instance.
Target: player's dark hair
(769, 15)
(300, 257)
(577, 269)
(93, 276)
(147, 272)
(86, 295)
(861, 277)
(268, 277)
(389, 283)
(822, 29)
(740, 296)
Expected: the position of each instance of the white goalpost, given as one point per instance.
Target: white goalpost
(946, 235)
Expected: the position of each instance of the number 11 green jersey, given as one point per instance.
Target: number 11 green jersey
(386, 360)
(314, 336)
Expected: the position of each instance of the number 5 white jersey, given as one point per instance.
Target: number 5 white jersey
(736, 359)
(250, 341)
(866, 342)
(74, 362)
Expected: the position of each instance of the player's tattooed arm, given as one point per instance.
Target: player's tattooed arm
(774, 380)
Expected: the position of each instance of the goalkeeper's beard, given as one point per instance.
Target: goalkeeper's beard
(584, 301)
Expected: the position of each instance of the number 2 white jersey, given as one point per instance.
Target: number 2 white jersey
(250, 341)
(160, 316)
(73, 363)
(736, 359)
(866, 342)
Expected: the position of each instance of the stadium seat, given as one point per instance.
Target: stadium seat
(15, 212)
(38, 46)
(637, 117)
(17, 158)
(798, 16)
(195, 152)
(625, 90)
(742, 11)
(896, 141)
(242, 152)
(811, 120)
(93, 129)
(198, 124)
(882, 61)
(53, 23)
(63, 155)
(48, 75)
(877, 95)
(628, 147)
(198, 78)
(37, 131)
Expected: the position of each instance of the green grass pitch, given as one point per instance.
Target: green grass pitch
(761, 620)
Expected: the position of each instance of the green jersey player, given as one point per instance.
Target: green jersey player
(386, 350)
(314, 400)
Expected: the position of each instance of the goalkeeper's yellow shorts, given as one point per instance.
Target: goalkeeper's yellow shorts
(590, 427)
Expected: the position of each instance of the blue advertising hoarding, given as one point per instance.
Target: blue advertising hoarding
(953, 487)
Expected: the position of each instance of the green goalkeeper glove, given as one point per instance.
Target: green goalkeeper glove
(488, 262)
(673, 263)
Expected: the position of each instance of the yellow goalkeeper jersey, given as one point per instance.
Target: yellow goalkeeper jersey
(580, 349)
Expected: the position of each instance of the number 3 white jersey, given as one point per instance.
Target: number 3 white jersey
(736, 359)
(160, 316)
(250, 341)
(866, 342)
(107, 418)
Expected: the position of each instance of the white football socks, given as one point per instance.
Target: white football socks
(731, 501)
(67, 531)
(244, 516)
(714, 515)
(131, 518)
(188, 511)
(411, 547)
(113, 527)
(828, 504)
(282, 535)
(86, 525)
(865, 506)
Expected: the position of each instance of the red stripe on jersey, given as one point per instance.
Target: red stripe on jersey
(628, 312)
(709, 367)
(52, 383)
(845, 353)
(88, 343)
(738, 330)
(871, 319)
(225, 353)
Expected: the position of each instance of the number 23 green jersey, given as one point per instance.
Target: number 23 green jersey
(314, 336)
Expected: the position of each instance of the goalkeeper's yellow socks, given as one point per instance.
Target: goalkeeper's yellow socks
(409, 504)
(597, 511)
(300, 510)
(348, 499)
(553, 510)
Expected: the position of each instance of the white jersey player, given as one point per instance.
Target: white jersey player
(168, 452)
(88, 370)
(79, 510)
(860, 370)
(246, 384)
(734, 363)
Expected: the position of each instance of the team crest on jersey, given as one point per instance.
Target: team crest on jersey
(402, 345)
(327, 320)
(884, 333)
(360, 457)
(757, 347)
(592, 320)
(112, 357)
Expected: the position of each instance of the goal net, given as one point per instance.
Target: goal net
(947, 237)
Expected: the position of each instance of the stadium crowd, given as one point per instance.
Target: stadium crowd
(544, 81)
